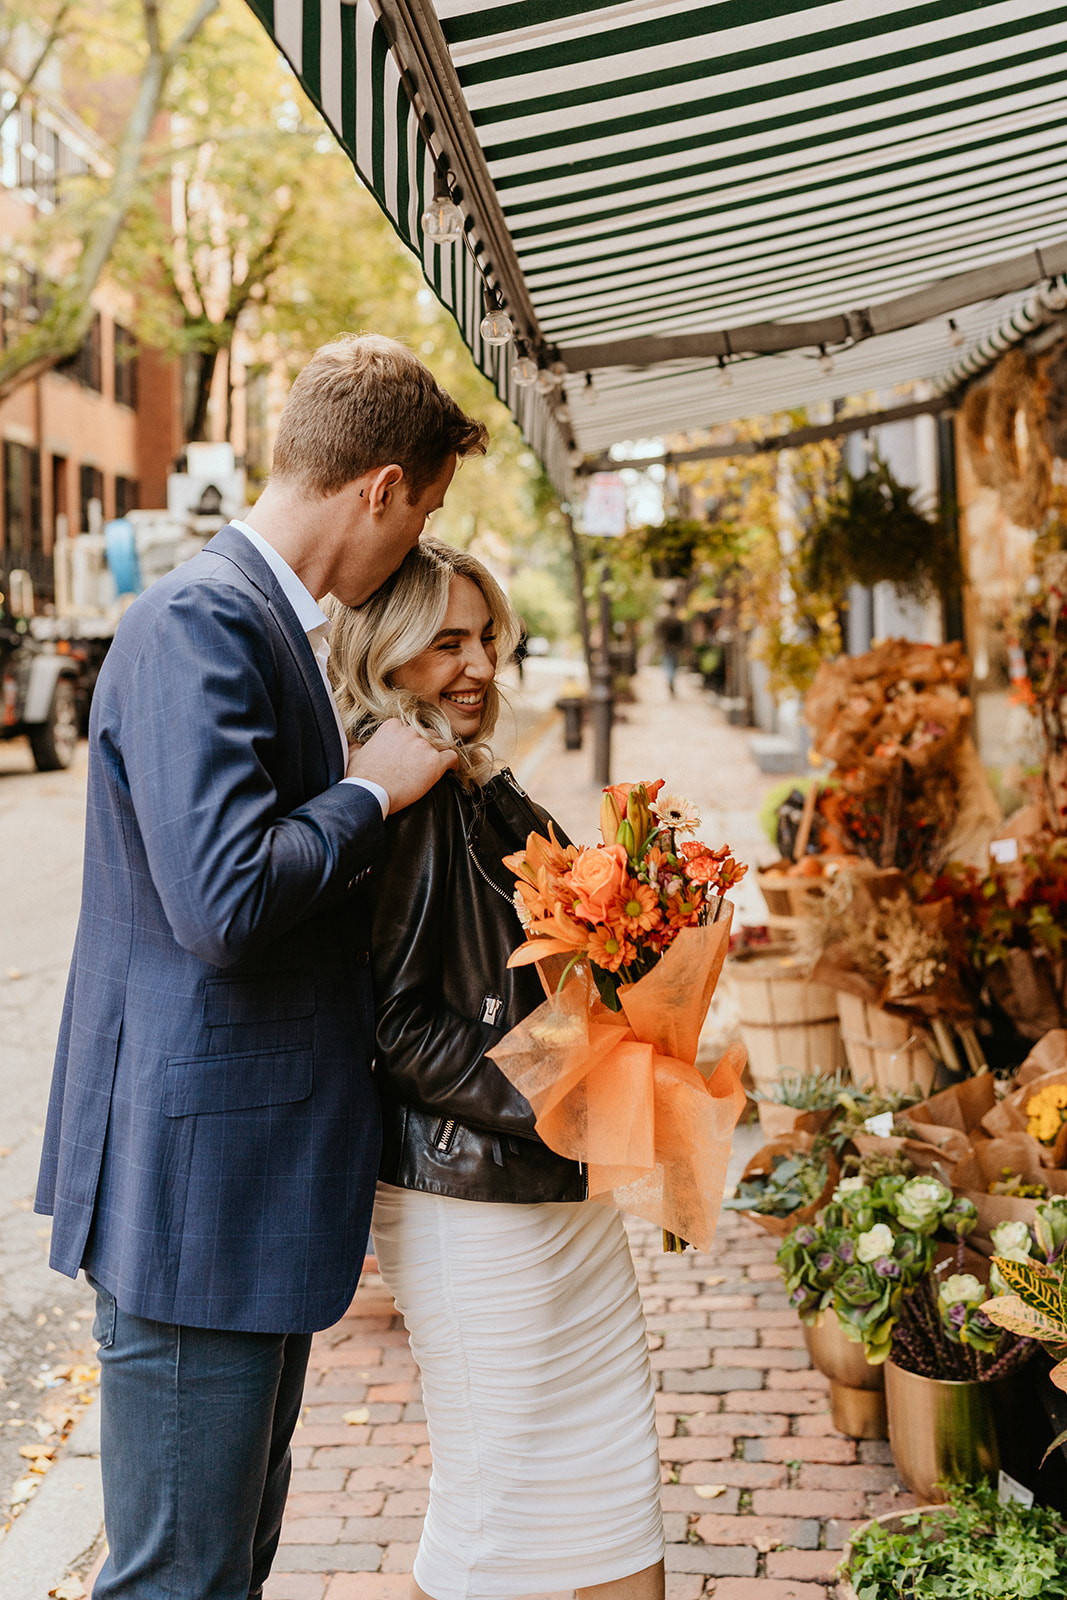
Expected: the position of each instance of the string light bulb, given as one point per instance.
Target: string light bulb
(547, 381)
(496, 326)
(956, 335)
(442, 221)
(589, 394)
(524, 367)
(726, 377)
(826, 360)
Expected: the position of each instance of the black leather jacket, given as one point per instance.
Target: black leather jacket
(445, 926)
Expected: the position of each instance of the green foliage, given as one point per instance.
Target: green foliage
(806, 1091)
(974, 1549)
(791, 1182)
(872, 531)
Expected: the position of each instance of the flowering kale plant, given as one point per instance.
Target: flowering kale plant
(870, 1244)
(944, 1331)
(622, 903)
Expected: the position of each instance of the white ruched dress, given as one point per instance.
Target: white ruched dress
(526, 1324)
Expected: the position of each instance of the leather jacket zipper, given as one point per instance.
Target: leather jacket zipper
(444, 1133)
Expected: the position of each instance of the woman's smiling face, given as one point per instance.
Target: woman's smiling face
(455, 670)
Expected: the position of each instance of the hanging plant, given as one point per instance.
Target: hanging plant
(1006, 431)
(673, 548)
(872, 531)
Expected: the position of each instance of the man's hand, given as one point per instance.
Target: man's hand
(404, 762)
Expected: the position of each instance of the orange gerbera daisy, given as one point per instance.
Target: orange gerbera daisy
(639, 907)
(609, 949)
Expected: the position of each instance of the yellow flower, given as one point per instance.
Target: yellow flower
(1046, 1112)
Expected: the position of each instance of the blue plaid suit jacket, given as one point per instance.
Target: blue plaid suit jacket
(213, 1132)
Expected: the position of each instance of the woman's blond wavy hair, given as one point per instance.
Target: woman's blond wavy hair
(369, 642)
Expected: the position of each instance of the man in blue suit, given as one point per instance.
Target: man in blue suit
(213, 1135)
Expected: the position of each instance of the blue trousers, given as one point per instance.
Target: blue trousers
(194, 1448)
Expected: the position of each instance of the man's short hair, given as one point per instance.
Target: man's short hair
(364, 401)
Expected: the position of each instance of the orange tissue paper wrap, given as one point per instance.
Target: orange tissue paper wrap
(620, 1090)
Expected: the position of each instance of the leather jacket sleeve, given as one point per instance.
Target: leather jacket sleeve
(430, 1050)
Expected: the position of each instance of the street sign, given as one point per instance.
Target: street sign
(604, 513)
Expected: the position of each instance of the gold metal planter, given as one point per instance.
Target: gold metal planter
(948, 1432)
(857, 1388)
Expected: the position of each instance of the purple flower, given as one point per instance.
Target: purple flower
(958, 1314)
(824, 1260)
(805, 1236)
(846, 1252)
(886, 1267)
(798, 1297)
(980, 1320)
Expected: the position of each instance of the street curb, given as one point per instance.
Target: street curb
(62, 1523)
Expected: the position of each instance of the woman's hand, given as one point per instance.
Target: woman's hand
(402, 760)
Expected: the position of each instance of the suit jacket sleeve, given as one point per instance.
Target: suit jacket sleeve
(197, 742)
(428, 1054)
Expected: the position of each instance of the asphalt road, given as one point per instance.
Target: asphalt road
(45, 1319)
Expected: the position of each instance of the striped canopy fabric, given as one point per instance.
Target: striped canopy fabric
(705, 207)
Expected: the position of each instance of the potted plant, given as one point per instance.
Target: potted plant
(972, 1549)
(786, 1182)
(799, 1102)
(952, 1396)
(847, 1270)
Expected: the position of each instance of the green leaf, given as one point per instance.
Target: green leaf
(1009, 1311)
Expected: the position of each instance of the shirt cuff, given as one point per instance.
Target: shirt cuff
(375, 789)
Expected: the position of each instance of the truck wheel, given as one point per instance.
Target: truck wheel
(54, 741)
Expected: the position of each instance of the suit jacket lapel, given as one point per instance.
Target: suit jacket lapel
(231, 543)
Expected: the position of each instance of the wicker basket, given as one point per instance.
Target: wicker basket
(786, 1020)
(882, 1049)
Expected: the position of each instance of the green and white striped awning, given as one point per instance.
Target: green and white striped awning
(665, 191)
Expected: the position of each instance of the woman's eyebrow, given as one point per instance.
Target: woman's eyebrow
(460, 633)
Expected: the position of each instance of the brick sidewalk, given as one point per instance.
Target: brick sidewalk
(759, 1491)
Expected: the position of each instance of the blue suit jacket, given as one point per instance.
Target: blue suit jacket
(213, 1133)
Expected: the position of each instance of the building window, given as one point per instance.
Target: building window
(125, 366)
(85, 364)
(91, 487)
(126, 495)
(23, 532)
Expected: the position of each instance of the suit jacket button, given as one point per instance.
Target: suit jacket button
(362, 958)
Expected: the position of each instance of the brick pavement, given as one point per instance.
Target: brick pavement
(759, 1491)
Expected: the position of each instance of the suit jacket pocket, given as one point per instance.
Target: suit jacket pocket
(195, 1085)
(270, 997)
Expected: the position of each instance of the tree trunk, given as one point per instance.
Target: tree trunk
(207, 361)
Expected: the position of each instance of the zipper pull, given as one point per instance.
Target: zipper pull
(509, 777)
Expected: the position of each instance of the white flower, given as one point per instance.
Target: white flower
(521, 910)
(1011, 1239)
(849, 1186)
(962, 1286)
(920, 1203)
(675, 811)
(877, 1241)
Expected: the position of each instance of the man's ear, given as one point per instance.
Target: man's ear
(382, 483)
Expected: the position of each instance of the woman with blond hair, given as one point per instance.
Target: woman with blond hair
(519, 1296)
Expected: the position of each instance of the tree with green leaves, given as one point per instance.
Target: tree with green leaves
(78, 242)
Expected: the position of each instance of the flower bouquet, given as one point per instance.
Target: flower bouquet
(637, 926)
(865, 1249)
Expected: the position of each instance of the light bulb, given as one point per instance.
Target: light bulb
(524, 371)
(956, 334)
(576, 459)
(726, 377)
(826, 360)
(442, 221)
(496, 326)
(546, 380)
(589, 394)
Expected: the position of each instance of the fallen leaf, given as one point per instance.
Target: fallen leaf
(709, 1491)
(765, 1546)
(23, 1490)
(13, 973)
(710, 1283)
(33, 1452)
(360, 1415)
(69, 1589)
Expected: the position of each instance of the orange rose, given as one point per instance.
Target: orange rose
(596, 879)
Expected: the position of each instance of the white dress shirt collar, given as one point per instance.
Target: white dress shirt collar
(309, 614)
